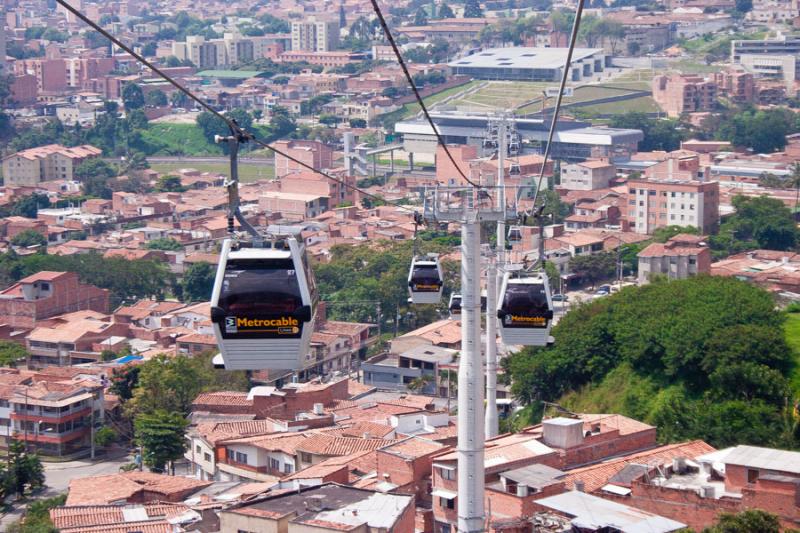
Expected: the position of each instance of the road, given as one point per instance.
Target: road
(57, 477)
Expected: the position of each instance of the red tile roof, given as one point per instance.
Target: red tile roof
(327, 445)
(81, 516)
(101, 490)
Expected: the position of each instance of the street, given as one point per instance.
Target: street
(58, 475)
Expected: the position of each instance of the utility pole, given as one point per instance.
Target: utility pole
(491, 428)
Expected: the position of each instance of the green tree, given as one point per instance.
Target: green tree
(168, 244)
(595, 267)
(749, 521)
(659, 134)
(763, 131)
(759, 222)
(132, 97)
(445, 12)
(281, 123)
(198, 280)
(29, 237)
(104, 437)
(124, 380)
(37, 516)
(28, 206)
(162, 437)
(169, 183)
(156, 98)
(682, 355)
(11, 353)
(421, 17)
(665, 233)
(25, 470)
(472, 9)
(358, 123)
(95, 167)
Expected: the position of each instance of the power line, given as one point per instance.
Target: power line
(236, 130)
(573, 39)
(413, 85)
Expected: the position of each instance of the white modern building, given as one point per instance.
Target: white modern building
(532, 64)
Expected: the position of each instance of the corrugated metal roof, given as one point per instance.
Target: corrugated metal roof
(765, 458)
(594, 513)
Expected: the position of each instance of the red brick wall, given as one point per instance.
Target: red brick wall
(608, 444)
(405, 524)
(446, 171)
(510, 505)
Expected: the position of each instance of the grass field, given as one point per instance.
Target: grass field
(791, 330)
(178, 139)
(643, 104)
(430, 101)
(248, 172)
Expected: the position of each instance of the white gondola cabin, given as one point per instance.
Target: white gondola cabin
(525, 310)
(425, 280)
(514, 234)
(263, 307)
(455, 305)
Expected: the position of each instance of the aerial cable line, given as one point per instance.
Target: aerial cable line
(237, 131)
(573, 39)
(413, 85)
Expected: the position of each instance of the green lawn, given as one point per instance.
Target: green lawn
(413, 108)
(178, 139)
(643, 104)
(248, 172)
(792, 331)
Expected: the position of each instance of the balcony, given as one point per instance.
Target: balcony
(255, 473)
(54, 418)
(49, 437)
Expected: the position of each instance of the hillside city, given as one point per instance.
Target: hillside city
(664, 213)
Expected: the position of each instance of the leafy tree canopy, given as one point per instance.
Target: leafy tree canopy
(659, 134)
(759, 222)
(700, 358)
(29, 237)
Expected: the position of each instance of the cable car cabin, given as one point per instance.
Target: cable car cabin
(514, 234)
(455, 305)
(425, 280)
(514, 170)
(525, 310)
(489, 144)
(263, 307)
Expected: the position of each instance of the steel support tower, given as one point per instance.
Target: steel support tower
(469, 206)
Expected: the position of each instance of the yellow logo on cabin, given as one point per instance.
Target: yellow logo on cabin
(534, 320)
(261, 323)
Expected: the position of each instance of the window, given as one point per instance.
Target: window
(305, 457)
(651, 193)
(274, 464)
(287, 468)
(752, 475)
(448, 474)
(207, 457)
(197, 448)
(692, 261)
(445, 503)
(241, 457)
(641, 203)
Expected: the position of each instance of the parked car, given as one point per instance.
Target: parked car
(560, 298)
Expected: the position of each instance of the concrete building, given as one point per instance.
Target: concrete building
(45, 163)
(587, 175)
(47, 294)
(657, 203)
(315, 34)
(782, 68)
(573, 140)
(679, 94)
(56, 418)
(736, 84)
(784, 46)
(399, 371)
(313, 153)
(531, 64)
(232, 49)
(292, 205)
(326, 508)
(680, 257)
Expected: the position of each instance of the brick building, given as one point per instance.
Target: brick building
(657, 203)
(736, 84)
(732, 480)
(679, 94)
(313, 153)
(558, 443)
(50, 74)
(680, 257)
(45, 163)
(48, 294)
